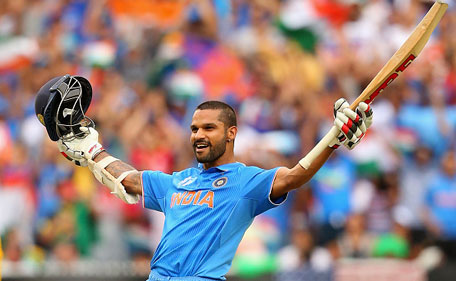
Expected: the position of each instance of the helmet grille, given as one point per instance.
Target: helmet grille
(69, 115)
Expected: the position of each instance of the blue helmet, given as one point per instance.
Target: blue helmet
(61, 104)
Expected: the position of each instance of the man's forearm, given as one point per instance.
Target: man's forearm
(289, 179)
(132, 182)
(300, 175)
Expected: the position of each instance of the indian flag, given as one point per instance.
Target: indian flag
(17, 52)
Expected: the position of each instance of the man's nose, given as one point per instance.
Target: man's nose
(200, 134)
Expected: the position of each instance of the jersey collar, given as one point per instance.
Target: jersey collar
(221, 168)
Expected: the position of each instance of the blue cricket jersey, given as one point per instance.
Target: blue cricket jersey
(206, 215)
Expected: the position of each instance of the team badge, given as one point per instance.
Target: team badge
(220, 182)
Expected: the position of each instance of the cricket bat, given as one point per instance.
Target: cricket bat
(397, 64)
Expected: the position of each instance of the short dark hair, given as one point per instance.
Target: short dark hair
(227, 114)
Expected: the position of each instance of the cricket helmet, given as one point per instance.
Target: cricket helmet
(61, 104)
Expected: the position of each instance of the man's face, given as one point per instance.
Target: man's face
(209, 135)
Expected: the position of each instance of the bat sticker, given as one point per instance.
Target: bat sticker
(391, 78)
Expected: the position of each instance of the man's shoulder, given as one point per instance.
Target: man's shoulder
(251, 171)
(192, 171)
(185, 172)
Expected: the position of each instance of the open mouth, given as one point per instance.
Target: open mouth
(200, 147)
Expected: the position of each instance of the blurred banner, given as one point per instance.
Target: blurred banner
(344, 270)
(378, 270)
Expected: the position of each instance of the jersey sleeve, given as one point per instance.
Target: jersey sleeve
(258, 184)
(155, 185)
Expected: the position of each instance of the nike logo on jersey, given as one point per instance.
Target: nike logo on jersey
(197, 198)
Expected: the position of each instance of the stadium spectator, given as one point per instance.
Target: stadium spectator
(277, 63)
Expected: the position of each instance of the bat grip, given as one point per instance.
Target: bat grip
(318, 149)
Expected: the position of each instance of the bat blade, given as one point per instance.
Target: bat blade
(408, 51)
(397, 64)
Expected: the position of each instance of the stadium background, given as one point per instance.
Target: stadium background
(281, 65)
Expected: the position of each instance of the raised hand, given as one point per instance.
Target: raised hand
(352, 125)
(80, 150)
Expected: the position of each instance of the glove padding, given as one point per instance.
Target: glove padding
(79, 150)
(352, 125)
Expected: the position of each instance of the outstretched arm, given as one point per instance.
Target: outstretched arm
(352, 127)
(289, 179)
(123, 180)
(131, 182)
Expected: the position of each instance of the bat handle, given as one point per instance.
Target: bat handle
(318, 149)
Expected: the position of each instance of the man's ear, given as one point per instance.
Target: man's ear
(231, 134)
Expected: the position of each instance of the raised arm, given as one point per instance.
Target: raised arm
(123, 180)
(131, 182)
(352, 126)
(289, 179)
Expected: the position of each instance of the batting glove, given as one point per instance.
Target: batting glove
(80, 150)
(352, 125)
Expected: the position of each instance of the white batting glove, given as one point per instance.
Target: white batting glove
(79, 150)
(74, 156)
(352, 125)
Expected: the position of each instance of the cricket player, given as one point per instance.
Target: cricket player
(207, 208)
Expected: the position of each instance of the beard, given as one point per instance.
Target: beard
(215, 152)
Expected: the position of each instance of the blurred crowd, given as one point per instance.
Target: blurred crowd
(281, 64)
